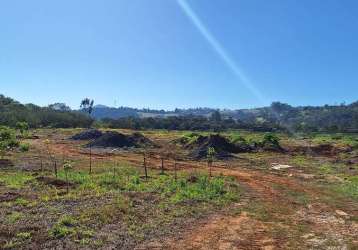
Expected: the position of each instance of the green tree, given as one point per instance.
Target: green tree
(215, 116)
(87, 105)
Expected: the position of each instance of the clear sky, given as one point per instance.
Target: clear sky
(176, 53)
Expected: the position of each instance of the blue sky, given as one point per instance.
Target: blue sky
(169, 53)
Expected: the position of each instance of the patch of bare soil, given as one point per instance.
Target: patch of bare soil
(224, 232)
(320, 150)
(9, 196)
(329, 227)
(246, 232)
(54, 182)
(5, 163)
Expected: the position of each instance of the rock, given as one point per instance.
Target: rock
(341, 213)
(280, 166)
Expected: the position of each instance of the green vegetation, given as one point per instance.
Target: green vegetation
(128, 179)
(15, 179)
(24, 147)
(65, 226)
(8, 140)
(14, 114)
(23, 127)
(349, 188)
(189, 138)
(14, 217)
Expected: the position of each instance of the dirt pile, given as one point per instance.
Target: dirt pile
(222, 146)
(89, 134)
(113, 139)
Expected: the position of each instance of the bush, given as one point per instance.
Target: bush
(8, 139)
(23, 127)
(24, 147)
(271, 139)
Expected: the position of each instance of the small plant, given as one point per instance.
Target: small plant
(14, 217)
(210, 157)
(271, 139)
(24, 147)
(67, 166)
(65, 226)
(24, 235)
(47, 142)
(23, 127)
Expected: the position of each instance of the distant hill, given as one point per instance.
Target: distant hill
(278, 116)
(102, 111)
(305, 118)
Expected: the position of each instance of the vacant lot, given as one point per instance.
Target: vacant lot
(300, 194)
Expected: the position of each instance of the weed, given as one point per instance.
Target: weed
(21, 202)
(24, 235)
(60, 231)
(14, 217)
(65, 226)
(15, 180)
(11, 244)
(349, 188)
(24, 147)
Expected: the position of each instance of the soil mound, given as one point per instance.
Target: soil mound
(113, 139)
(223, 147)
(54, 182)
(89, 134)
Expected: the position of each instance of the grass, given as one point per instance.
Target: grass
(349, 188)
(15, 179)
(64, 226)
(14, 217)
(335, 138)
(139, 206)
(107, 207)
(129, 179)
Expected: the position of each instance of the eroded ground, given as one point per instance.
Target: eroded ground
(247, 205)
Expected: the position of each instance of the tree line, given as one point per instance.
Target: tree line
(277, 117)
(189, 122)
(12, 112)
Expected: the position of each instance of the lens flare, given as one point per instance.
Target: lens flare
(219, 49)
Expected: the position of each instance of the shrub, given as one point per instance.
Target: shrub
(65, 226)
(7, 140)
(23, 127)
(271, 139)
(24, 147)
